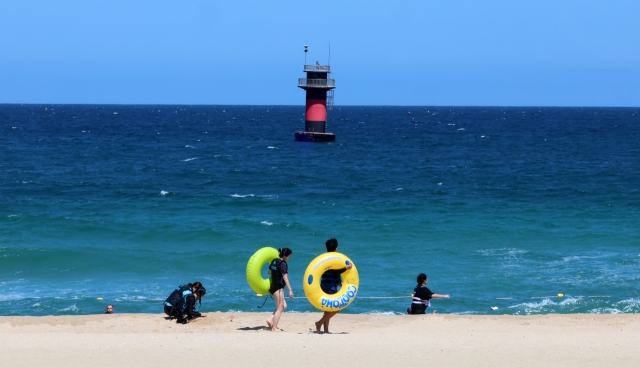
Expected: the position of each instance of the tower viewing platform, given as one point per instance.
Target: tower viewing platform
(317, 68)
(326, 83)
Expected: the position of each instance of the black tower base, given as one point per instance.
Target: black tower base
(315, 137)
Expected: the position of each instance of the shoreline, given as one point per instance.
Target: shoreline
(358, 339)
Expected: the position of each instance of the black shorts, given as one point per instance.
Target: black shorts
(417, 309)
(275, 288)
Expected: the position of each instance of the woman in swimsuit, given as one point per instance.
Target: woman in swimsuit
(279, 270)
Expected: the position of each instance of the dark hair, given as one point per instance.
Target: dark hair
(284, 252)
(332, 245)
(201, 291)
(421, 278)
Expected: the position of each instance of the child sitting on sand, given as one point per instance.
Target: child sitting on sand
(422, 295)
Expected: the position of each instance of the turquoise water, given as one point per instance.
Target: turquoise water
(499, 206)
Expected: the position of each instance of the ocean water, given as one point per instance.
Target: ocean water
(501, 207)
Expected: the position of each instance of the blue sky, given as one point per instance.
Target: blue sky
(403, 52)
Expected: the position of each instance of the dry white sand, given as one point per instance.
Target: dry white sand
(145, 340)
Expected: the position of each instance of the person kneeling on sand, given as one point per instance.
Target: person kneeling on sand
(330, 284)
(182, 301)
(422, 295)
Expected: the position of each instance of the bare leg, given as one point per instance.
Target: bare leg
(324, 321)
(270, 320)
(280, 306)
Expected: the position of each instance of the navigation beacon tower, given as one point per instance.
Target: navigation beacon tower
(319, 88)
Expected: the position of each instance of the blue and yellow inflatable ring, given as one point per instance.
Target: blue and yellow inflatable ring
(311, 282)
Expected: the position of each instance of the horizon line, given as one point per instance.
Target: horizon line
(302, 105)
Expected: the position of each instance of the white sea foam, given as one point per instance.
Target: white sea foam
(606, 311)
(190, 159)
(242, 195)
(267, 223)
(399, 189)
(537, 307)
(12, 296)
(132, 298)
(631, 305)
(163, 192)
(71, 308)
(268, 196)
(384, 313)
(188, 146)
(271, 147)
(36, 305)
(506, 251)
(461, 129)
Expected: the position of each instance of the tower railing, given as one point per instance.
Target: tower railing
(316, 83)
(317, 68)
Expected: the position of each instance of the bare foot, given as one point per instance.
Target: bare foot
(270, 324)
(231, 319)
(276, 330)
(318, 325)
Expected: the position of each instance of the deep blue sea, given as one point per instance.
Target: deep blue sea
(501, 207)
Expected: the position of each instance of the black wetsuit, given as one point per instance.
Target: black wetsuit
(278, 268)
(181, 302)
(421, 297)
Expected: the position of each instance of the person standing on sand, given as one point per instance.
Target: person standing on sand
(279, 271)
(329, 283)
(422, 295)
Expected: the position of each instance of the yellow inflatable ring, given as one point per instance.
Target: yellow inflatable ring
(254, 267)
(313, 274)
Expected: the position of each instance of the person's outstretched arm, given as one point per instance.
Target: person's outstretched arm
(441, 296)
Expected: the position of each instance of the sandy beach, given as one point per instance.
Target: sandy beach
(128, 340)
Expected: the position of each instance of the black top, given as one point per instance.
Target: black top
(420, 302)
(278, 268)
(284, 268)
(423, 293)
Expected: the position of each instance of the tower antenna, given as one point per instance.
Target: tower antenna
(306, 48)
